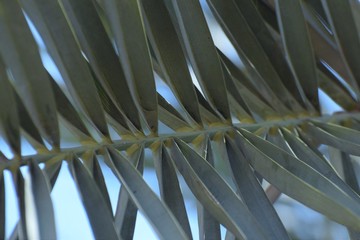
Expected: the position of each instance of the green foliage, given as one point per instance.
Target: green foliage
(262, 120)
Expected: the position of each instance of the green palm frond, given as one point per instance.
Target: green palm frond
(261, 121)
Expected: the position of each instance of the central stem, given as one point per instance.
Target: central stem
(185, 136)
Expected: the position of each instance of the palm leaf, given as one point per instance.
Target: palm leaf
(228, 126)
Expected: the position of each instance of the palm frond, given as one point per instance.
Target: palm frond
(260, 120)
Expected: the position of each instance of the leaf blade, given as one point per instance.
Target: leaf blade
(344, 28)
(276, 165)
(169, 187)
(167, 49)
(102, 56)
(126, 210)
(21, 55)
(249, 48)
(298, 47)
(2, 205)
(98, 213)
(271, 47)
(9, 119)
(145, 199)
(209, 227)
(333, 135)
(126, 23)
(252, 193)
(53, 27)
(43, 204)
(202, 54)
(213, 192)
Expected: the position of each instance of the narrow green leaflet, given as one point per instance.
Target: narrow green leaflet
(337, 136)
(351, 180)
(254, 83)
(126, 23)
(114, 113)
(280, 138)
(100, 217)
(302, 149)
(87, 158)
(207, 112)
(125, 216)
(52, 171)
(317, 23)
(9, 120)
(267, 13)
(21, 55)
(352, 123)
(145, 199)
(2, 205)
(200, 144)
(246, 44)
(213, 192)
(100, 181)
(355, 7)
(237, 83)
(259, 109)
(308, 156)
(169, 187)
(20, 230)
(126, 210)
(236, 101)
(208, 116)
(349, 173)
(298, 180)
(239, 74)
(298, 47)
(170, 116)
(171, 59)
(316, 5)
(54, 29)
(37, 194)
(270, 46)
(68, 112)
(202, 53)
(330, 56)
(92, 163)
(230, 85)
(170, 120)
(209, 227)
(218, 155)
(341, 161)
(277, 139)
(239, 111)
(26, 123)
(339, 131)
(335, 91)
(344, 28)
(252, 193)
(101, 55)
